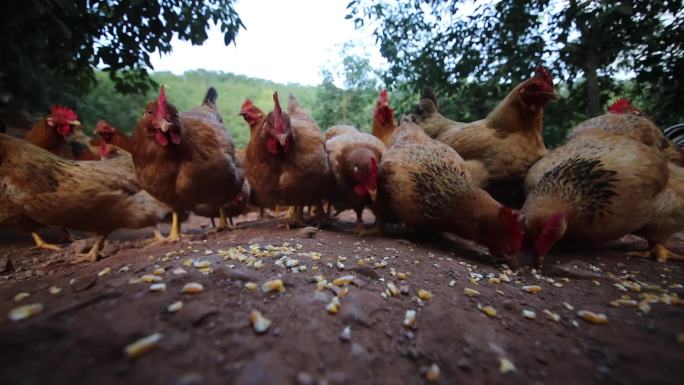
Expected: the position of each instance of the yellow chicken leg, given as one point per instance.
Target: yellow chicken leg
(223, 223)
(659, 252)
(94, 254)
(359, 223)
(41, 244)
(174, 236)
(295, 217)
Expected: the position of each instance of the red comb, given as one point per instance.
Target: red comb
(622, 106)
(63, 113)
(383, 97)
(276, 108)
(279, 122)
(162, 103)
(551, 225)
(246, 105)
(373, 166)
(515, 230)
(543, 73)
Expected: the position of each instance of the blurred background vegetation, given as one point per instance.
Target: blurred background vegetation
(94, 56)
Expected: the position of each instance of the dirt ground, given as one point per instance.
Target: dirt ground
(81, 334)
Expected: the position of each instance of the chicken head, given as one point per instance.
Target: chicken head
(161, 120)
(63, 119)
(537, 91)
(277, 129)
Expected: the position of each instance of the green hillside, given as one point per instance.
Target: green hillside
(186, 91)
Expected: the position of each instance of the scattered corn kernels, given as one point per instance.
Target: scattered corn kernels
(158, 287)
(251, 286)
(174, 307)
(489, 311)
(343, 281)
(159, 271)
(529, 314)
(54, 290)
(273, 285)
(104, 271)
(21, 296)
(432, 374)
(334, 306)
(424, 295)
(401, 276)
(346, 334)
(506, 366)
(568, 306)
(192, 288)
(393, 289)
(200, 264)
(258, 264)
(143, 345)
(259, 323)
(470, 292)
(532, 289)
(592, 317)
(410, 319)
(149, 278)
(179, 271)
(555, 317)
(25, 311)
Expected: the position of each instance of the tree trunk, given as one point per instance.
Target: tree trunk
(593, 93)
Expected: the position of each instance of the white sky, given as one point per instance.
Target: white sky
(284, 41)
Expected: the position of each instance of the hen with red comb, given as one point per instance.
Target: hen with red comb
(286, 160)
(186, 159)
(502, 147)
(429, 185)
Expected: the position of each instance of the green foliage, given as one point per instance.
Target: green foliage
(472, 59)
(51, 47)
(354, 104)
(187, 91)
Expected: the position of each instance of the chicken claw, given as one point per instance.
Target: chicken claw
(41, 244)
(295, 217)
(174, 235)
(223, 223)
(659, 252)
(91, 256)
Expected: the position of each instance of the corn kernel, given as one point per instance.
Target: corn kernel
(143, 345)
(259, 322)
(273, 285)
(410, 319)
(159, 271)
(424, 294)
(489, 311)
(532, 289)
(174, 307)
(104, 271)
(192, 288)
(21, 296)
(470, 292)
(506, 366)
(250, 286)
(529, 314)
(200, 264)
(149, 278)
(401, 276)
(393, 289)
(158, 287)
(343, 281)
(432, 374)
(25, 311)
(592, 317)
(54, 290)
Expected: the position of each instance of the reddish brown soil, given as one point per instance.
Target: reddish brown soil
(80, 336)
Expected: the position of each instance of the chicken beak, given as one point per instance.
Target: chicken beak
(74, 123)
(282, 139)
(164, 125)
(373, 194)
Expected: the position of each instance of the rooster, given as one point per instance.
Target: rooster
(427, 116)
(354, 157)
(599, 187)
(501, 148)
(57, 133)
(384, 124)
(186, 159)
(286, 160)
(40, 188)
(429, 185)
(624, 119)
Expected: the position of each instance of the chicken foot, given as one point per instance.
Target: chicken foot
(360, 229)
(295, 217)
(174, 235)
(657, 251)
(41, 244)
(94, 254)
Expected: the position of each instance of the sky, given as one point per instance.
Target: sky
(284, 41)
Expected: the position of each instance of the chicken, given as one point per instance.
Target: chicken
(286, 160)
(501, 148)
(596, 188)
(57, 133)
(39, 187)
(429, 185)
(624, 119)
(384, 124)
(427, 116)
(186, 160)
(354, 157)
(114, 136)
